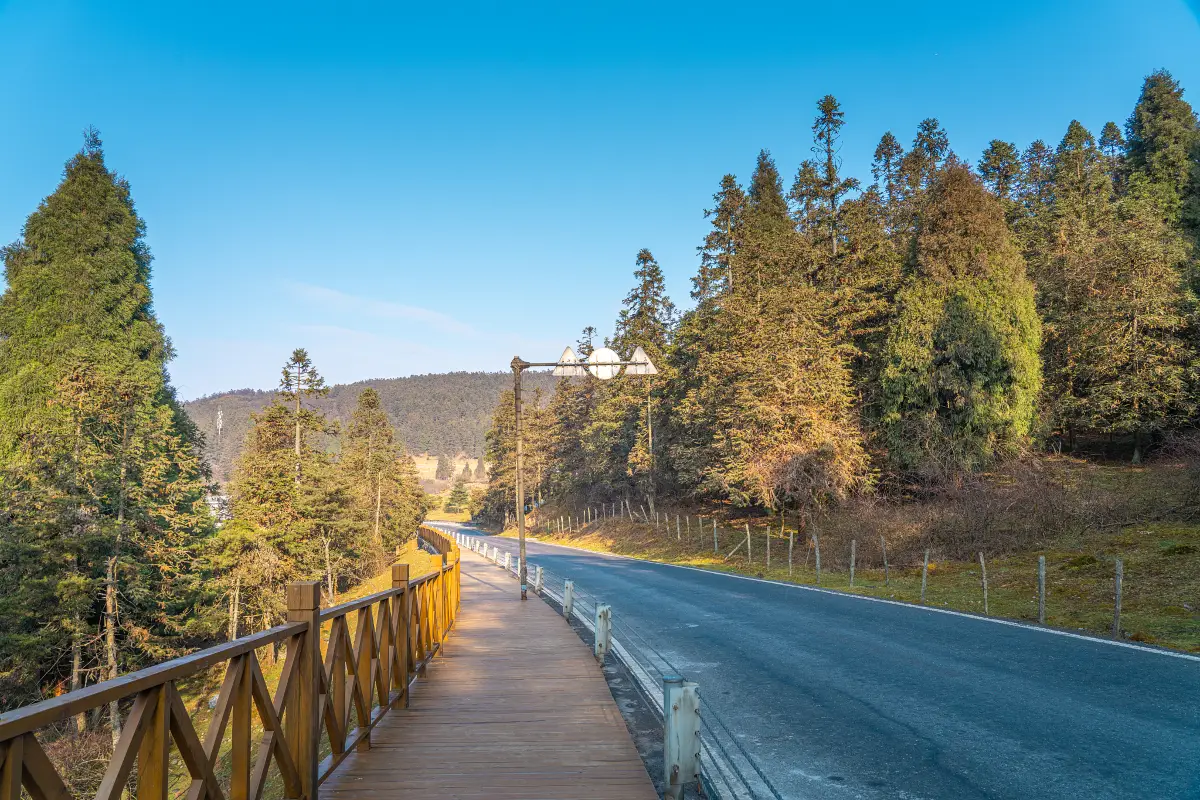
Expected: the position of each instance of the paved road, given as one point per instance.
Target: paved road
(841, 697)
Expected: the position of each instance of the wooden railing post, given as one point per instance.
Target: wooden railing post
(153, 766)
(403, 603)
(304, 702)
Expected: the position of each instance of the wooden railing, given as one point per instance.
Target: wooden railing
(343, 691)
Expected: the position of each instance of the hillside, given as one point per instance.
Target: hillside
(445, 413)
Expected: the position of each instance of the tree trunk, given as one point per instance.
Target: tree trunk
(111, 600)
(378, 509)
(235, 601)
(77, 667)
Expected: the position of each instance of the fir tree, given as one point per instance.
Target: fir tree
(100, 470)
(386, 495)
(961, 371)
(444, 469)
(458, 497)
(301, 382)
(1161, 134)
(618, 437)
(715, 276)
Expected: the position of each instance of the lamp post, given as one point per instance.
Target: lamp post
(603, 364)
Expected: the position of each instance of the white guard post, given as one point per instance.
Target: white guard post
(603, 624)
(681, 735)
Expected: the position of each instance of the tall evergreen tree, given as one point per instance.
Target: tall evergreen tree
(715, 276)
(1161, 134)
(100, 470)
(618, 437)
(961, 372)
(386, 494)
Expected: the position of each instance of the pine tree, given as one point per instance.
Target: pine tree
(286, 493)
(885, 168)
(1162, 133)
(301, 382)
(444, 469)
(961, 371)
(458, 498)
(100, 470)
(480, 471)
(820, 187)
(618, 438)
(1112, 144)
(1000, 169)
(715, 276)
(917, 171)
(1136, 325)
(386, 495)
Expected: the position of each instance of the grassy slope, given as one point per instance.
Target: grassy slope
(1161, 597)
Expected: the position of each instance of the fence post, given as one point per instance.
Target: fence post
(1041, 590)
(924, 575)
(568, 599)
(983, 572)
(714, 534)
(887, 579)
(853, 547)
(603, 625)
(402, 610)
(817, 548)
(749, 555)
(507, 560)
(678, 531)
(537, 580)
(303, 703)
(1117, 579)
(791, 545)
(681, 735)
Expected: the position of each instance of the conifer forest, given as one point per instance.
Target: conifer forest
(871, 339)
(848, 340)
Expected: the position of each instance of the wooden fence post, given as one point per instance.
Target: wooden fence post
(1117, 580)
(714, 534)
(817, 548)
(887, 580)
(568, 599)
(924, 575)
(603, 623)
(303, 714)
(681, 736)
(403, 609)
(749, 555)
(678, 533)
(853, 546)
(1041, 590)
(791, 544)
(983, 572)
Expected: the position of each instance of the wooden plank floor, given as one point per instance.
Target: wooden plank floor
(514, 707)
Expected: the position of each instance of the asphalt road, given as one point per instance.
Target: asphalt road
(840, 697)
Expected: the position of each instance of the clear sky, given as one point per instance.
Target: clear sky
(406, 189)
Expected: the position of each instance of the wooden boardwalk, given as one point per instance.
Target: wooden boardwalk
(515, 706)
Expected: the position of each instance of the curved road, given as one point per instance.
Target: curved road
(837, 696)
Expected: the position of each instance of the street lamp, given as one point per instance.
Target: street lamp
(603, 364)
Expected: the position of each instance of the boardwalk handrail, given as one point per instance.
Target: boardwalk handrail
(355, 681)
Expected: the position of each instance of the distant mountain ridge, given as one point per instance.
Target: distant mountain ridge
(440, 413)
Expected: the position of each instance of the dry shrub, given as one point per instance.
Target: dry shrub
(1021, 505)
(79, 758)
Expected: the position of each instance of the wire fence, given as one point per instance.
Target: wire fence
(728, 769)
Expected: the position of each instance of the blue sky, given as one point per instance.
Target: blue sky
(408, 190)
